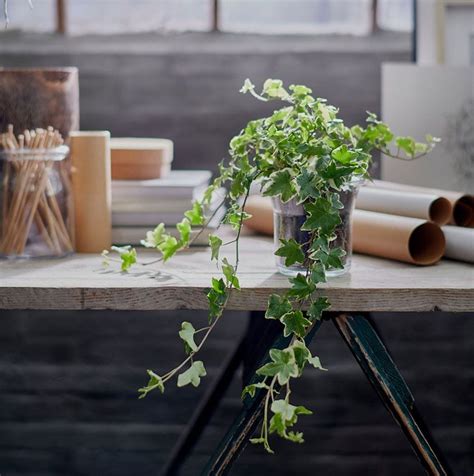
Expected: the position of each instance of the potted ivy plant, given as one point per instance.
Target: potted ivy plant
(310, 163)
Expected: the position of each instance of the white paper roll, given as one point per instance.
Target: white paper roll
(459, 243)
(405, 203)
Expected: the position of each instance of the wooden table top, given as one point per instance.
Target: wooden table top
(81, 282)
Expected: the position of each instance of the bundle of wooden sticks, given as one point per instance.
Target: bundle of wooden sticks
(31, 215)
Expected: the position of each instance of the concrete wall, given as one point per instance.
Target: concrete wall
(191, 95)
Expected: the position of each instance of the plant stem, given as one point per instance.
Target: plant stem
(210, 328)
(399, 157)
(203, 227)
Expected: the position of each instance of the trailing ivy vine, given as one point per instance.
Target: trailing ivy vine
(302, 151)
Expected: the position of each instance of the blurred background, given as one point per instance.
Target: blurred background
(173, 69)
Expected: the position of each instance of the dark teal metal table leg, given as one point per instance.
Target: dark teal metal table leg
(245, 424)
(374, 359)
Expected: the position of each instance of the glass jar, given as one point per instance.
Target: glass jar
(288, 218)
(35, 194)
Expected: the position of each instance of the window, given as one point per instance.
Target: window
(256, 16)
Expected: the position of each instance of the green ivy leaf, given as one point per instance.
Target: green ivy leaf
(248, 86)
(343, 155)
(155, 382)
(295, 323)
(407, 144)
(318, 274)
(301, 287)
(317, 308)
(216, 297)
(192, 375)
(300, 90)
(209, 193)
(235, 217)
(239, 185)
(285, 416)
(277, 307)
(336, 201)
(195, 215)
(274, 89)
(280, 185)
(277, 425)
(295, 436)
(287, 411)
(316, 363)
(252, 388)
(321, 216)
(154, 238)
(302, 354)
(128, 255)
(333, 172)
(187, 334)
(184, 228)
(291, 251)
(283, 365)
(169, 246)
(229, 273)
(334, 258)
(306, 183)
(320, 244)
(215, 243)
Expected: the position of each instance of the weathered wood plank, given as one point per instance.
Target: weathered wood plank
(80, 282)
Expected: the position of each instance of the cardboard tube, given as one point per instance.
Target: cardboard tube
(409, 204)
(261, 209)
(462, 203)
(400, 238)
(459, 243)
(91, 183)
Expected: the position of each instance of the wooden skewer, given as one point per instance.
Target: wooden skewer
(28, 195)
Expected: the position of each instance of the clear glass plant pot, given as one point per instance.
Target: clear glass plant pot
(34, 203)
(289, 217)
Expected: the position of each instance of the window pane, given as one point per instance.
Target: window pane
(297, 16)
(395, 15)
(113, 16)
(40, 18)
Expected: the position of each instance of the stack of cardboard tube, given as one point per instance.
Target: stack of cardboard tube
(413, 224)
(400, 222)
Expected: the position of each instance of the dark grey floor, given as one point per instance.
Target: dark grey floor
(68, 381)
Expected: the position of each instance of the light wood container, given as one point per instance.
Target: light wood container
(91, 181)
(140, 158)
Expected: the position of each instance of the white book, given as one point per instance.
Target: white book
(156, 204)
(182, 184)
(146, 214)
(143, 218)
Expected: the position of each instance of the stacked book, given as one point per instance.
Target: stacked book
(139, 205)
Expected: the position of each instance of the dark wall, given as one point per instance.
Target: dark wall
(68, 401)
(68, 380)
